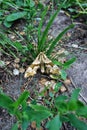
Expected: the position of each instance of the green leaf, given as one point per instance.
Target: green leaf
(40, 25)
(82, 111)
(57, 63)
(68, 63)
(5, 101)
(7, 24)
(58, 38)
(15, 126)
(43, 38)
(80, 125)
(18, 46)
(61, 104)
(63, 74)
(37, 114)
(21, 99)
(40, 108)
(75, 94)
(57, 86)
(64, 119)
(74, 105)
(54, 124)
(14, 16)
(61, 98)
(32, 3)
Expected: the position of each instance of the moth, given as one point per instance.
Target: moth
(43, 63)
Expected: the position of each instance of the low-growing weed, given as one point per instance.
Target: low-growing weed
(42, 45)
(75, 7)
(17, 10)
(60, 109)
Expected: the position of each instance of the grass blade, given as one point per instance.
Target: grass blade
(58, 38)
(43, 38)
(40, 24)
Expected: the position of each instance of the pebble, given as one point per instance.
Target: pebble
(16, 72)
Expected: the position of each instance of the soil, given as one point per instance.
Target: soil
(77, 73)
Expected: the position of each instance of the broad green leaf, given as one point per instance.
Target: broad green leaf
(25, 124)
(21, 99)
(69, 62)
(63, 74)
(82, 111)
(75, 94)
(58, 38)
(61, 98)
(32, 3)
(40, 108)
(14, 16)
(7, 24)
(80, 125)
(54, 124)
(5, 101)
(37, 115)
(74, 105)
(61, 104)
(64, 118)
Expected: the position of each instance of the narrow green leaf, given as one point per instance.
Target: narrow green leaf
(40, 24)
(69, 62)
(80, 125)
(57, 63)
(43, 38)
(54, 124)
(58, 38)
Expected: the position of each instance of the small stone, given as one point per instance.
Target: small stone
(75, 45)
(16, 65)
(21, 70)
(67, 81)
(16, 72)
(62, 89)
(22, 33)
(17, 60)
(7, 62)
(41, 89)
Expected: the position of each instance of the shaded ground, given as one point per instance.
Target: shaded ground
(14, 85)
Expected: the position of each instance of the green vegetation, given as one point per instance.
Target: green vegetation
(59, 109)
(75, 7)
